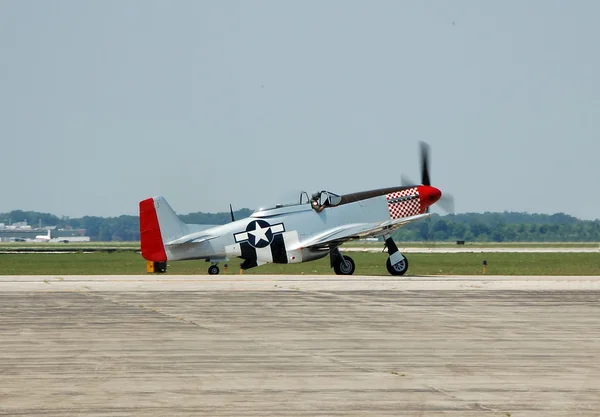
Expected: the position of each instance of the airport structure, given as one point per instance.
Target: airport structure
(23, 232)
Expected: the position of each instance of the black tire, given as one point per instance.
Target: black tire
(344, 266)
(399, 269)
(160, 267)
(213, 270)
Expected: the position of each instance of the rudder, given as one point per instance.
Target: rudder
(158, 224)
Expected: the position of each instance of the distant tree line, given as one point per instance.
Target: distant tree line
(501, 227)
(470, 227)
(108, 229)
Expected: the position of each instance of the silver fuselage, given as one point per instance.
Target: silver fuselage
(298, 223)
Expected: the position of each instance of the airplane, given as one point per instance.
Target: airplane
(309, 229)
(44, 238)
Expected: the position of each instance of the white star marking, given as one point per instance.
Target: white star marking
(259, 234)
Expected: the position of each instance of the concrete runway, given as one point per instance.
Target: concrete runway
(299, 346)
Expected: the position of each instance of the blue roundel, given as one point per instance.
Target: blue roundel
(260, 234)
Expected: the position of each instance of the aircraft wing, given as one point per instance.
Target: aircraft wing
(339, 235)
(197, 237)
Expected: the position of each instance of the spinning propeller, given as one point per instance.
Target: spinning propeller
(429, 194)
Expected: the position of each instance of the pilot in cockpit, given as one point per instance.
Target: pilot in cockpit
(315, 204)
(324, 199)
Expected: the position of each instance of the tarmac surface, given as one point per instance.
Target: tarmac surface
(260, 345)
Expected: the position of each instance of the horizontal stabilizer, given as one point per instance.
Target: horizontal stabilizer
(197, 237)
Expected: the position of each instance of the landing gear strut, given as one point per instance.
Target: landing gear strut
(399, 268)
(396, 264)
(342, 265)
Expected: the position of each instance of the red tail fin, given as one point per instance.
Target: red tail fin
(150, 235)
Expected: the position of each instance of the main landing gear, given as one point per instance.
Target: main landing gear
(399, 268)
(342, 265)
(213, 270)
(396, 264)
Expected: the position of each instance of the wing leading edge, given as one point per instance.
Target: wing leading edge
(341, 234)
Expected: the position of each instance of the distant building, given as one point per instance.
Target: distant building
(24, 233)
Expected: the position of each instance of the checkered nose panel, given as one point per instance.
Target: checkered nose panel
(405, 208)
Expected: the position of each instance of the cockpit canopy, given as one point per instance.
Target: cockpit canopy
(327, 198)
(322, 198)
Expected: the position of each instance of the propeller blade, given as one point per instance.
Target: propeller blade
(406, 181)
(446, 203)
(425, 180)
(231, 211)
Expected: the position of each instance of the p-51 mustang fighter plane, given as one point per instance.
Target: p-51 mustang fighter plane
(310, 229)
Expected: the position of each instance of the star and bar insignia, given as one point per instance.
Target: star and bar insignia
(259, 233)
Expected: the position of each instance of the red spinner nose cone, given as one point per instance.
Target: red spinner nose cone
(428, 196)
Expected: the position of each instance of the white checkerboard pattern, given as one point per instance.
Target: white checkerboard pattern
(404, 208)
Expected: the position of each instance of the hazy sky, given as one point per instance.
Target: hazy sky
(104, 103)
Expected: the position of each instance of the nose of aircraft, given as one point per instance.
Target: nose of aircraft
(428, 196)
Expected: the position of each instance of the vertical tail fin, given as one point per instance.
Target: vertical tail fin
(158, 224)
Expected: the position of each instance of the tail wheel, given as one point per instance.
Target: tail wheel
(213, 270)
(344, 265)
(398, 269)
